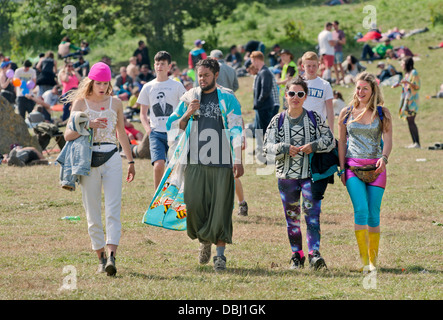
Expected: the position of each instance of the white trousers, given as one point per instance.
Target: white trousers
(108, 176)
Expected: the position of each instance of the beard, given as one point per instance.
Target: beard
(209, 86)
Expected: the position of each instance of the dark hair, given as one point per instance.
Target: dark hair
(297, 82)
(27, 64)
(163, 55)
(354, 60)
(140, 42)
(409, 64)
(209, 63)
(338, 93)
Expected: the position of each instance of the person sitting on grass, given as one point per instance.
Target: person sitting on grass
(440, 93)
(133, 134)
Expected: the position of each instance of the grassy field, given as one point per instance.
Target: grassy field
(153, 263)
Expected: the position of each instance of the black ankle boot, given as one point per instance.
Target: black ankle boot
(316, 261)
(110, 268)
(102, 263)
(297, 262)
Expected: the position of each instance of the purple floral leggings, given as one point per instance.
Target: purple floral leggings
(290, 191)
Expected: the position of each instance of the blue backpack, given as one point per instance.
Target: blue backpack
(281, 118)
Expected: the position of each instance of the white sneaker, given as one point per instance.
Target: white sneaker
(415, 145)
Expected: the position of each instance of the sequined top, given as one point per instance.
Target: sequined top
(364, 139)
(107, 134)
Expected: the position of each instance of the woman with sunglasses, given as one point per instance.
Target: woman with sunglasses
(69, 79)
(361, 129)
(291, 137)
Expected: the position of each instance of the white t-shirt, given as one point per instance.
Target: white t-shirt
(323, 42)
(338, 104)
(50, 98)
(162, 99)
(319, 91)
(24, 76)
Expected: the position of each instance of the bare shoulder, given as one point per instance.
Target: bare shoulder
(116, 103)
(78, 105)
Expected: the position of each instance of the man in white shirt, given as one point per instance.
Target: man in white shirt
(320, 93)
(162, 95)
(326, 45)
(25, 74)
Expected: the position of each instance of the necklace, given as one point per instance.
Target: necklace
(357, 113)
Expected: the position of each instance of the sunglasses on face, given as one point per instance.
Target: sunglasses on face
(299, 94)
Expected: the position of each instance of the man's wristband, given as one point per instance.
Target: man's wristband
(131, 162)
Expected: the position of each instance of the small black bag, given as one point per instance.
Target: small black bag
(99, 158)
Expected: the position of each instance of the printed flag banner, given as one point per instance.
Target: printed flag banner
(167, 209)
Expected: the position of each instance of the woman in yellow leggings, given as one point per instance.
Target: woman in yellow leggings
(362, 127)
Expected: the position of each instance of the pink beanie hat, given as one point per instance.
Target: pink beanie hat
(100, 72)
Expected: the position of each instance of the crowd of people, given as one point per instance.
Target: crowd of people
(295, 112)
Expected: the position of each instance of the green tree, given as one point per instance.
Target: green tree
(44, 21)
(163, 22)
(7, 8)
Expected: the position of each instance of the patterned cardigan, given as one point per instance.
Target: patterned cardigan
(278, 140)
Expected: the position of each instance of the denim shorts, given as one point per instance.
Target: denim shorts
(158, 145)
(338, 57)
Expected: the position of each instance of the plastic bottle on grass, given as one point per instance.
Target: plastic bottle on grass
(71, 218)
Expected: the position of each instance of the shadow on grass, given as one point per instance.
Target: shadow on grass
(410, 269)
(144, 276)
(257, 219)
(280, 272)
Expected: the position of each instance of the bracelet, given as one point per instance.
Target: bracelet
(339, 174)
(131, 162)
(385, 159)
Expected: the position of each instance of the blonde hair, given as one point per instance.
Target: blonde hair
(257, 55)
(309, 55)
(375, 100)
(85, 90)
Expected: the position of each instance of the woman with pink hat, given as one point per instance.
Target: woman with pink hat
(94, 97)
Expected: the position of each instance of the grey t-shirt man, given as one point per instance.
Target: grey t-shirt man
(208, 142)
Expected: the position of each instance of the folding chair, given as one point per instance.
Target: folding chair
(34, 119)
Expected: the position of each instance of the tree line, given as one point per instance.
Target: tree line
(43, 23)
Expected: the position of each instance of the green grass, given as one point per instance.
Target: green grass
(153, 263)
